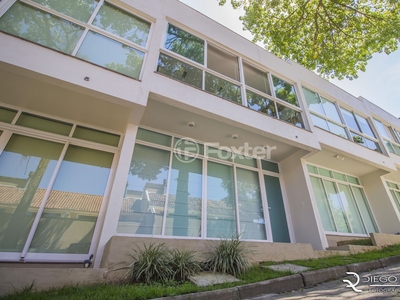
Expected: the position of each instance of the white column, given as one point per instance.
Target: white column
(114, 204)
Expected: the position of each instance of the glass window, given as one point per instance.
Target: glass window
(351, 209)
(187, 145)
(336, 207)
(113, 55)
(323, 204)
(340, 131)
(69, 218)
(184, 199)
(153, 137)
(330, 110)
(185, 44)
(143, 205)
(339, 176)
(352, 179)
(221, 211)
(251, 215)
(223, 88)
(44, 124)
(269, 166)
(256, 78)
(123, 24)
(26, 167)
(245, 160)
(325, 172)
(312, 169)
(381, 128)
(284, 91)
(350, 120)
(319, 122)
(80, 10)
(289, 115)
(365, 128)
(219, 154)
(179, 70)
(222, 62)
(313, 101)
(97, 136)
(364, 209)
(39, 27)
(261, 104)
(7, 115)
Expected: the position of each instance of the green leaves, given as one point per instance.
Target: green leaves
(334, 37)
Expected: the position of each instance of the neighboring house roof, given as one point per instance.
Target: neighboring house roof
(10, 196)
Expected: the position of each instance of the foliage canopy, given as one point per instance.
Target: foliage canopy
(334, 37)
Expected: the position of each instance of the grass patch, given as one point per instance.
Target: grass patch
(143, 291)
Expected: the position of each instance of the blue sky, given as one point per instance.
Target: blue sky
(380, 83)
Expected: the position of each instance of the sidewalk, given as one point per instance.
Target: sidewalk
(270, 288)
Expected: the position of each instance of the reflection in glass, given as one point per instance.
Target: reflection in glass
(261, 104)
(221, 217)
(222, 88)
(153, 137)
(323, 205)
(184, 199)
(365, 210)
(96, 136)
(330, 110)
(340, 131)
(350, 207)
(69, 218)
(289, 115)
(365, 128)
(111, 54)
(143, 205)
(179, 70)
(319, 122)
(284, 91)
(251, 215)
(350, 120)
(123, 24)
(26, 166)
(42, 28)
(336, 207)
(222, 62)
(256, 78)
(185, 44)
(313, 101)
(80, 10)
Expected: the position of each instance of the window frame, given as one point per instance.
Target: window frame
(88, 26)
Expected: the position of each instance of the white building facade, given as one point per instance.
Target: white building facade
(147, 119)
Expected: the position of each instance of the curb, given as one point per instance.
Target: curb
(287, 283)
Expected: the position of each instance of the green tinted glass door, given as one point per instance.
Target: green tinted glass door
(280, 231)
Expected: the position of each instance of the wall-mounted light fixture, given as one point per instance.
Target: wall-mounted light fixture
(190, 124)
(339, 157)
(235, 136)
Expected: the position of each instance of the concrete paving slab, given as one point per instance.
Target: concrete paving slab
(209, 278)
(287, 267)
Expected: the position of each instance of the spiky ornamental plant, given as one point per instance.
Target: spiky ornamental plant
(151, 264)
(183, 264)
(230, 256)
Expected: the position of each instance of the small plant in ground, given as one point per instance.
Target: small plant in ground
(229, 256)
(151, 264)
(183, 264)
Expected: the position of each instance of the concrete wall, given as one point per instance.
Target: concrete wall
(306, 224)
(380, 239)
(385, 211)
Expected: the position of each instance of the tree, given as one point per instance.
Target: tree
(334, 37)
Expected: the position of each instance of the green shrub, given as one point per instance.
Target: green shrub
(183, 264)
(151, 264)
(157, 263)
(229, 256)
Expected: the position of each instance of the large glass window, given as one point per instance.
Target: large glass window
(390, 137)
(324, 113)
(40, 27)
(69, 218)
(171, 182)
(395, 191)
(222, 88)
(222, 62)
(256, 78)
(284, 91)
(342, 206)
(184, 199)
(51, 192)
(62, 34)
(185, 44)
(143, 206)
(26, 166)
